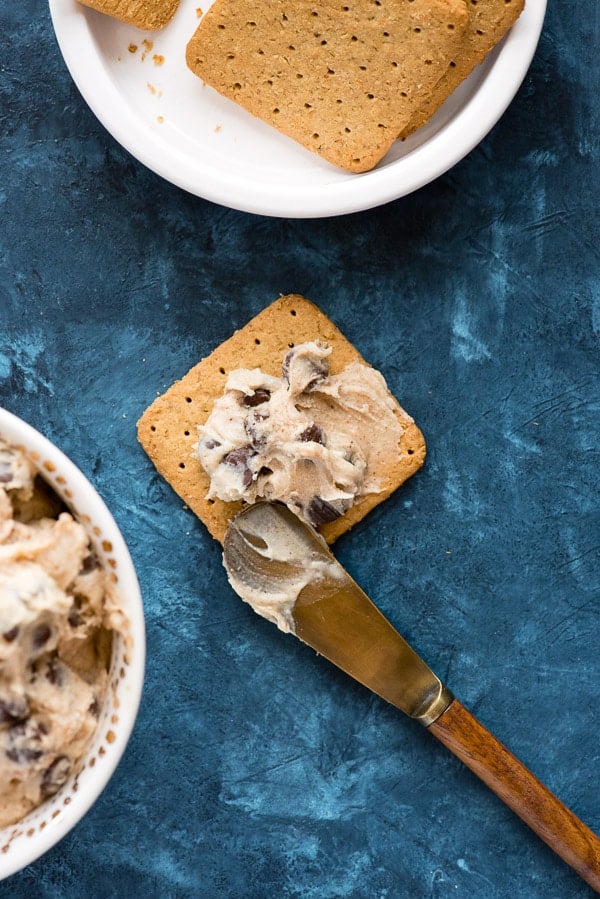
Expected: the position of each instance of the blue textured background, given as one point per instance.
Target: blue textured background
(255, 769)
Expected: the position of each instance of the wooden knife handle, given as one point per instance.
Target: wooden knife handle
(569, 837)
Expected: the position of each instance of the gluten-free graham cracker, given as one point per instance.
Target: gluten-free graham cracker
(489, 21)
(150, 15)
(168, 429)
(341, 78)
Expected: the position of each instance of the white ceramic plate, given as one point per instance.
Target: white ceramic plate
(163, 114)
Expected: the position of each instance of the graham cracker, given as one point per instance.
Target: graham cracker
(150, 15)
(341, 78)
(168, 429)
(489, 21)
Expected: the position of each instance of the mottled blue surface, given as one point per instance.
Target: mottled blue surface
(255, 769)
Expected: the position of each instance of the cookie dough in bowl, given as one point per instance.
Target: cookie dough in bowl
(72, 644)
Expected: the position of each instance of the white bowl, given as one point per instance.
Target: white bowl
(22, 843)
(209, 146)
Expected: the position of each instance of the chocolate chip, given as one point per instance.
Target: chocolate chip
(94, 708)
(54, 672)
(19, 730)
(251, 423)
(11, 635)
(20, 756)
(239, 458)
(246, 477)
(211, 443)
(316, 380)
(24, 739)
(40, 636)
(261, 395)
(312, 434)
(55, 776)
(13, 710)
(320, 369)
(75, 618)
(285, 365)
(319, 511)
(89, 564)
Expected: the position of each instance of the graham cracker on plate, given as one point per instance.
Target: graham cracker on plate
(150, 15)
(489, 21)
(341, 78)
(168, 429)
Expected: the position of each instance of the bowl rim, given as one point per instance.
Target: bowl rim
(25, 847)
(508, 65)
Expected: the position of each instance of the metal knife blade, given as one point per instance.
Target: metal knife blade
(286, 571)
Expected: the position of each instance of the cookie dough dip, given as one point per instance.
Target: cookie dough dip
(369, 442)
(58, 616)
(308, 439)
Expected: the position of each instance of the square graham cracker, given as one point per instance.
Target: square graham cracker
(342, 79)
(489, 21)
(168, 429)
(150, 15)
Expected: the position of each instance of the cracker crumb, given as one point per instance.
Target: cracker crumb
(151, 88)
(148, 45)
(158, 59)
(218, 128)
(132, 48)
(160, 119)
(199, 12)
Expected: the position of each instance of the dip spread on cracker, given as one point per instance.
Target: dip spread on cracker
(304, 439)
(168, 429)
